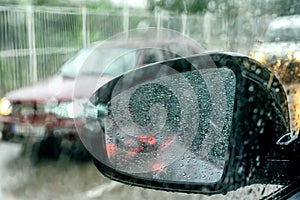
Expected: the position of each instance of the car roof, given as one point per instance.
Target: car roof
(180, 46)
(143, 43)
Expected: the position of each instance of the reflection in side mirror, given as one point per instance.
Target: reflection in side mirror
(189, 124)
(172, 128)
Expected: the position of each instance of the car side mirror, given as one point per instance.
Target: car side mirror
(203, 124)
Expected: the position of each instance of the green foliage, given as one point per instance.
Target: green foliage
(100, 5)
(275, 7)
(284, 7)
(49, 3)
(91, 4)
(179, 6)
(259, 7)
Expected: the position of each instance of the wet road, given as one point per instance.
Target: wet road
(20, 179)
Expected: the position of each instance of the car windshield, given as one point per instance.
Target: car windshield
(97, 61)
(41, 114)
(283, 34)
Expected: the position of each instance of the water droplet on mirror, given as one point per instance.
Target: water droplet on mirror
(275, 84)
(251, 89)
(262, 130)
(259, 122)
(241, 170)
(253, 67)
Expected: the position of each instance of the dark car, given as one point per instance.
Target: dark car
(48, 109)
(280, 48)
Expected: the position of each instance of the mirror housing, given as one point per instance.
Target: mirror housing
(259, 117)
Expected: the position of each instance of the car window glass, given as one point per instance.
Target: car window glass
(182, 51)
(283, 34)
(35, 36)
(72, 66)
(152, 55)
(93, 61)
(122, 64)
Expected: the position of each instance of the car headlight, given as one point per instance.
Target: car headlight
(297, 56)
(5, 106)
(258, 56)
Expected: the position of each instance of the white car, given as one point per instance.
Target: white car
(280, 48)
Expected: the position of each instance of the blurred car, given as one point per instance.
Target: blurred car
(280, 48)
(45, 112)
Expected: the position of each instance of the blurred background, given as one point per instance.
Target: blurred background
(37, 36)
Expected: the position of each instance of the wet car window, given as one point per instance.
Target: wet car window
(37, 35)
(154, 55)
(283, 34)
(122, 64)
(93, 61)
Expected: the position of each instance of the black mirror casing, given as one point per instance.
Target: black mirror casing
(260, 117)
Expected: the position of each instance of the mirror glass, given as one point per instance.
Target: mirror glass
(171, 128)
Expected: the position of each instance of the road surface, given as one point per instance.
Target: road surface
(20, 179)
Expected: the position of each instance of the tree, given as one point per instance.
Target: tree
(276, 7)
(285, 7)
(179, 6)
(99, 4)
